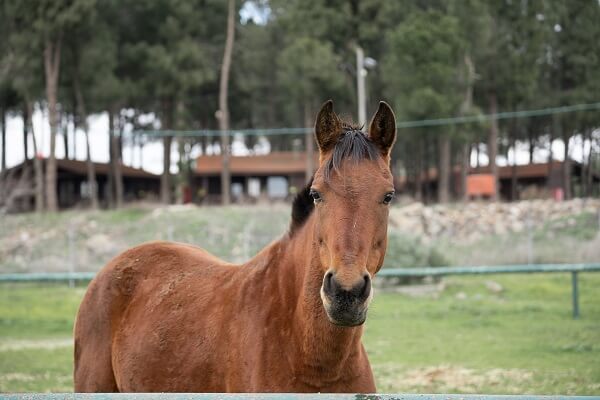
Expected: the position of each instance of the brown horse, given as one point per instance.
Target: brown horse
(170, 317)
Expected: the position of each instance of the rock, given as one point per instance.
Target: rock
(471, 221)
(101, 244)
(493, 287)
(461, 296)
(416, 291)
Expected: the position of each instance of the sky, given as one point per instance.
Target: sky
(151, 159)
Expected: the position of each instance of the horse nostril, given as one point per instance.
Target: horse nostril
(366, 290)
(327, 282)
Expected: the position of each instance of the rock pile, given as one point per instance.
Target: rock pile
(471, 221)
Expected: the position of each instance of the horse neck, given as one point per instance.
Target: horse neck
(319, 343)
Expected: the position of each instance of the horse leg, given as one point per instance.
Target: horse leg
(93, 370)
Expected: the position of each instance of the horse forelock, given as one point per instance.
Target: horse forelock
(354, 145)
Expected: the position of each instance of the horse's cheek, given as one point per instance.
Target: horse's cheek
(376, 257)
(325, 256)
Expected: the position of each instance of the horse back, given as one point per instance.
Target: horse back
(131, 286)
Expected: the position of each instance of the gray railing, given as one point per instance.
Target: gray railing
(278, 396)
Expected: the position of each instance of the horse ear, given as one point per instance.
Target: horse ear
(328, 127)
(382, 130)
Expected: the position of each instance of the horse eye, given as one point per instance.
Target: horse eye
(315, 195)
(387, 199)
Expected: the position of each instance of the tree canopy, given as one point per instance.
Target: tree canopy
(435, 59)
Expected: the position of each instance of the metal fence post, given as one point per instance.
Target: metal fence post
(575, 294)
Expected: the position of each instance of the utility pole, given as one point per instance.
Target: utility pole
(223, 113)
(361, 73)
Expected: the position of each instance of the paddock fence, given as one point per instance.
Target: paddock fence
(573, 269)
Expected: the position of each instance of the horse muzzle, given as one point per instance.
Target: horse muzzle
(346, 307)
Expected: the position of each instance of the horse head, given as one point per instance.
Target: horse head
(351, 189)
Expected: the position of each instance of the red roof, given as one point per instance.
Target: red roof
(276, 163)
(522, 171)
(80, 167)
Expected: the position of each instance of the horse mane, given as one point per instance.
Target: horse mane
(353, 144)
(302, 207)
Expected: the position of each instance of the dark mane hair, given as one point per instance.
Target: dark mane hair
(353, 144)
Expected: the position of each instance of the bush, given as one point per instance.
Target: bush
(409, 252)
(404, 251)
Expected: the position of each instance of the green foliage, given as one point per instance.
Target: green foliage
(424, 83)
(312, 77)
(434, 60)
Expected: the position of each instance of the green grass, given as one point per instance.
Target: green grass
(524, 333)
(467, 339)
(36, 323)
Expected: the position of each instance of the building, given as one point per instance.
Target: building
(17, 184)
(541, 180)
(272, 176)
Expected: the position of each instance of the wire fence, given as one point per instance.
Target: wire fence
(480, 118)
(573, 269)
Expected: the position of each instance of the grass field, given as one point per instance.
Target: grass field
(463, 339)
(467, 338)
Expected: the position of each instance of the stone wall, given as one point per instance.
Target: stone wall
(473, 220)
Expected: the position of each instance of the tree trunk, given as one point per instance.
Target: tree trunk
(426, 164)
(91, 170)
(419, 170)
(588, 175)
(465, 156)
(132, 150)
(566, 169)
(52, 52)
(25, 133)
(141, 144)
(493, 144)
(183, 163)
(513, 175)
(82, 117)
(117, 163)
(165, 179)
(444, 169)
(3, 137)
(37, 161)
(74, 138)
(185, 170)
(310, 142)
(582, 181)
(64, 123)
(550, 164)
(110, 181)
(531, 147)
(223, 113)
(465, 108)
